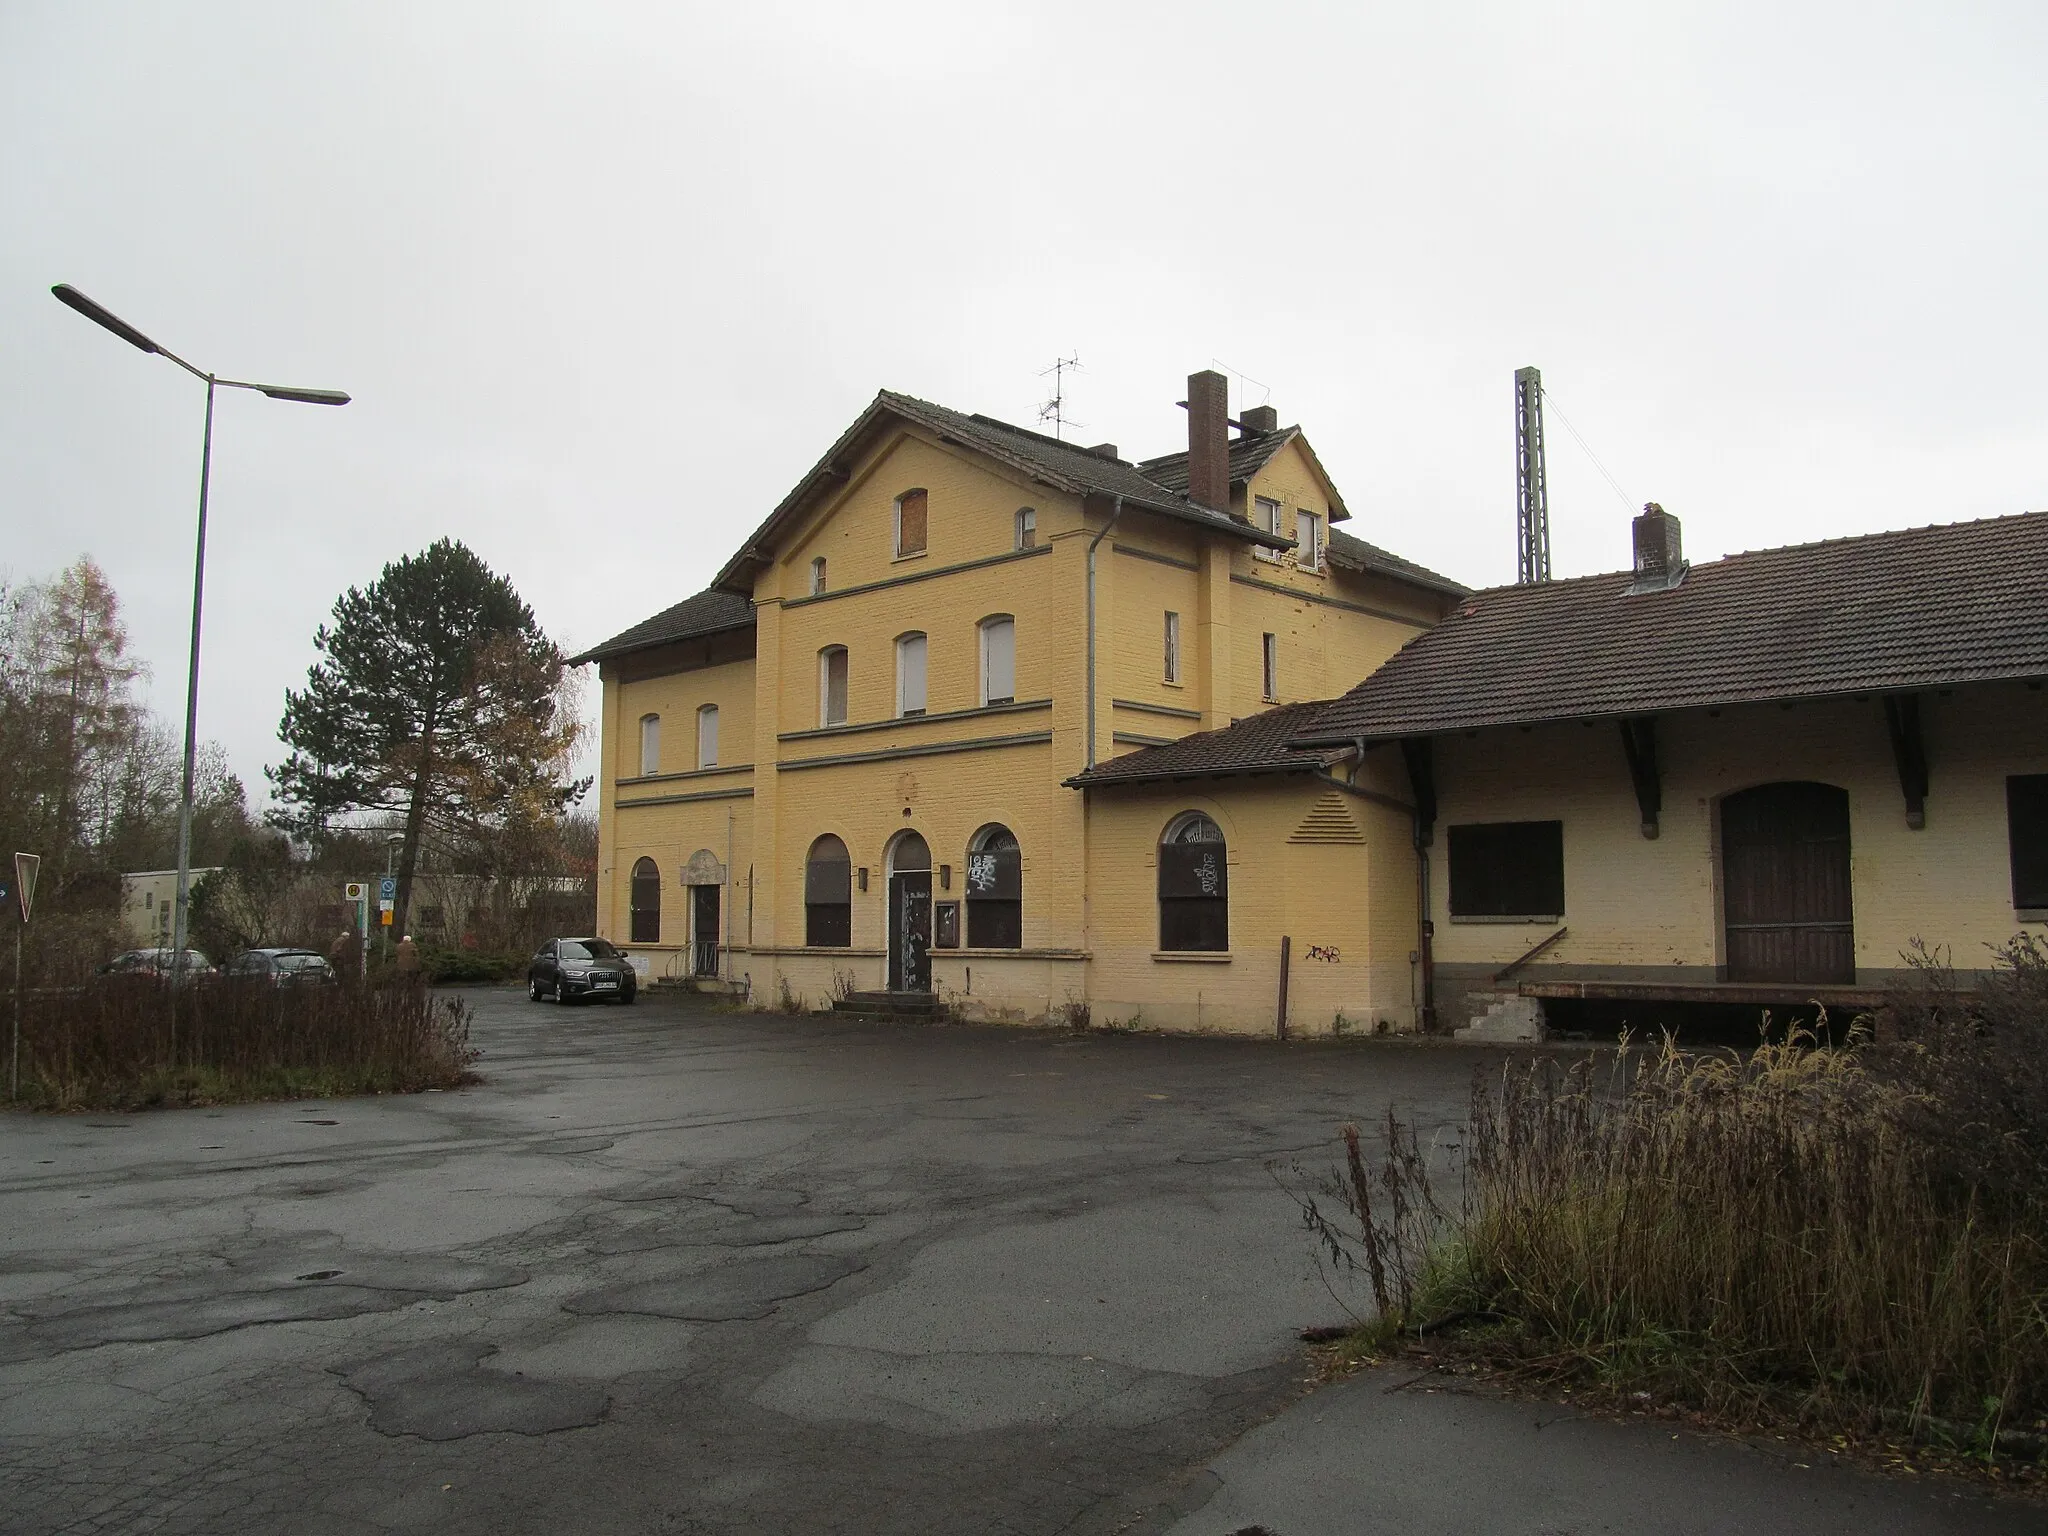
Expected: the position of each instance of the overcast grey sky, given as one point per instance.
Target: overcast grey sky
(605, 279)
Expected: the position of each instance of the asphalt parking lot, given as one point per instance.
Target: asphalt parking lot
(671, 1269)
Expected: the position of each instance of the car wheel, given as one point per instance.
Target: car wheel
(561, 993)
(533, 989)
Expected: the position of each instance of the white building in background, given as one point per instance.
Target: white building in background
(148, 899)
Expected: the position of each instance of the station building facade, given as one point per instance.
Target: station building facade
(983, 713)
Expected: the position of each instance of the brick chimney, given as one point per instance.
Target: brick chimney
(1260, 419)
(1209, 439)
(1660, 559)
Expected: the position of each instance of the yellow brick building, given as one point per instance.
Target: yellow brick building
(1004, 718)
(1758, 780)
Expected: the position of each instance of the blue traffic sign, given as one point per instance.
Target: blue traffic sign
(388, 889)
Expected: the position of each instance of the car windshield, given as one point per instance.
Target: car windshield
(587, 949)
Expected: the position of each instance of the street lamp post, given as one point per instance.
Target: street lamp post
(106, 319)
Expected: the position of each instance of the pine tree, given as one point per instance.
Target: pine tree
(437, 699)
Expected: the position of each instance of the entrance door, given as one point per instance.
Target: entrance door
(1785, 884)
(910, 915)
(704, 930)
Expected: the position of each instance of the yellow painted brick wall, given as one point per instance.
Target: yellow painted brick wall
(1639, 902)
(669, 834)
(676, 697)
(1319, 896)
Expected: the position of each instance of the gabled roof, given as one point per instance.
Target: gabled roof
(1062, 465)
(1919, 608)
(708, 613)
(1350, 554)
(1257, 744)
(1248, 455)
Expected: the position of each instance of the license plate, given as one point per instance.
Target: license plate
(605, 984)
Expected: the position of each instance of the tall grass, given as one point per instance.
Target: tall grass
(110, 1044)
(1852, 1238)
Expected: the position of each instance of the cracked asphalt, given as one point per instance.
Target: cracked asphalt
(672, 1269)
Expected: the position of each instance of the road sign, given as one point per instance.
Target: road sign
(386, 905)
(355, 890)
(388, 889)
(384, 917)
(25, 867)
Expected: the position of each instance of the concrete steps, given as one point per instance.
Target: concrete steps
(1504, 1018)
(890, 1007)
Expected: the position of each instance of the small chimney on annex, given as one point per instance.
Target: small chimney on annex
(1209, 439)
(1660, 557)
(1261, 419)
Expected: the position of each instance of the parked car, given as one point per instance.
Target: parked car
(157, 962)
(280, 967)
(568, 969)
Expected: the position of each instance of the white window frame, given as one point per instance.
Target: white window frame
(921, 643)
(817, 575)
(989, 626)
(1309, 538)
(707, 727)
(1027, 527)
(1265, 518)
(650, 745)
(1172, 646)
(825, 656)
(1269, 667)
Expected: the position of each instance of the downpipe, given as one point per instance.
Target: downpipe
(1116, 511)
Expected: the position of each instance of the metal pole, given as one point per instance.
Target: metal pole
(14, 1068)
(180, 926)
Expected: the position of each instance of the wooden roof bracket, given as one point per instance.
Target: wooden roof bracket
(1639, 744)
(1909, 752)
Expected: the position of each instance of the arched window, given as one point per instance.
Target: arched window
(817, 575)
(828, 894)
(832, 685)
(910, 656)
(646, 927)
(995, 890)
(1027, 527)
(650, 744)
(998, 659)
(707, 736)
(910, 523)
(1194, 886)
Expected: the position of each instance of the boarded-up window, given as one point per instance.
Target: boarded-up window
(910, 651)
(1027, 528)
(828, 894)
(650, 744)
(998, 660)
(1507, 869)
(2026, 817)
(646, 926)
(995, 891)
(1194, 886)
(707, 736)
(1172, 647)
(910, 523)
(832, 685)
(1269, 668)
(817, 575)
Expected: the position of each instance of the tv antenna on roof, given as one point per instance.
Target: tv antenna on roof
(1054, 410)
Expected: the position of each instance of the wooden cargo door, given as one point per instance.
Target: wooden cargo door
(1785, 884)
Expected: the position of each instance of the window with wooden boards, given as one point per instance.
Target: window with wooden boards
(910, 523)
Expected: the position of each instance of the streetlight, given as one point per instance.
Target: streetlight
(108, 320)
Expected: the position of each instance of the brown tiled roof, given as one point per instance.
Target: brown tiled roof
(708, 613)
(1065, 466)
(1352, 554)
(1920, 608)
(1248, 455)
(1257, 744)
